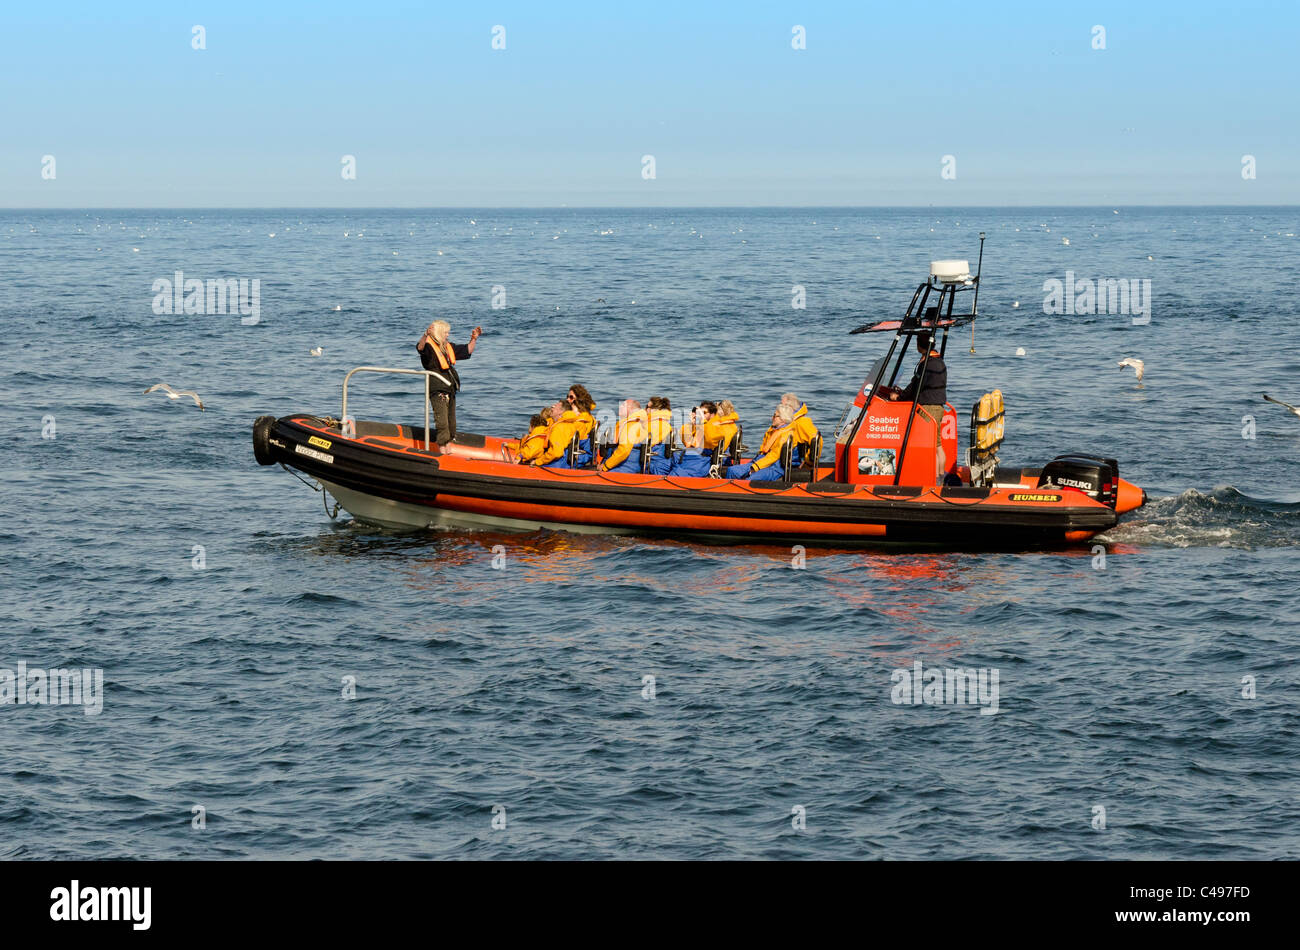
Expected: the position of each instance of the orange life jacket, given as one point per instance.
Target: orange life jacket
(719, 428)
(533, 444)
(773, 442)
(630, 432)
(660, 425)
(804, 429)
(558, 436)
(445, 353)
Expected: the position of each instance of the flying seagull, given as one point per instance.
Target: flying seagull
(1292, 408)
(173, 394)
(1138, 366)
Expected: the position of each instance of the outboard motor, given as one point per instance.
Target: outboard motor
(1096, 477)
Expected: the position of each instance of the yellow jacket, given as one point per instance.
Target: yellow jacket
(558, 437)
(586, 422)
(533, 444)
(804, 430)
(719, 428)
(773, 442)
(629, 433)
(660, 425)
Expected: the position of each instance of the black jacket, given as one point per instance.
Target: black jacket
(443, 381)
(931, 391)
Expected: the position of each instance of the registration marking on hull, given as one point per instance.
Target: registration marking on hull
(313, 454)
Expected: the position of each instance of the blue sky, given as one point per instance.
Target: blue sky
(1032, 114)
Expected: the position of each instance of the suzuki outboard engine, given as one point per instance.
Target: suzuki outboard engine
(1096, 477)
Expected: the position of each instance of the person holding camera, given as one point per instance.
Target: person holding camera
(692, 461)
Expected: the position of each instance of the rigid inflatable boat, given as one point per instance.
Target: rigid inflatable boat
(895, 476)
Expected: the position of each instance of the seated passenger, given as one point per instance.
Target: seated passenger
(660, 416)
(767, 466)
(564, 423)
(583, 405)
(630, 433)
(772, 429)
(720, 426)
(805, 432)
(534, 443)
(690, 433)
(691, 461)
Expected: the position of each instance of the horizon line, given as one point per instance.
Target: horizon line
(568, 207)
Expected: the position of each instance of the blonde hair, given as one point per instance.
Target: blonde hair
(791, 400)
(439, 330)
(726, 407)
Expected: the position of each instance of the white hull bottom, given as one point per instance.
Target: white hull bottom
(395, 514)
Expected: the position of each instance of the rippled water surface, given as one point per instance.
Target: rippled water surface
(1120, 682)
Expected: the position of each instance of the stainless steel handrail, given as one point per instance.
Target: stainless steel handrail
(392, 369)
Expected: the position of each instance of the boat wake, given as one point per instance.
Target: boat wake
(1223, 518)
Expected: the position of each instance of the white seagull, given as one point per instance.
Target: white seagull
(316, 352)
(1138, 366)
(1287, 405)
(173, 394)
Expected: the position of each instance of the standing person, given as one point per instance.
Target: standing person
(439, 355)
(929, 390)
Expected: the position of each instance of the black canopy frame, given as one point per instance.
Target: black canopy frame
(922, 318)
